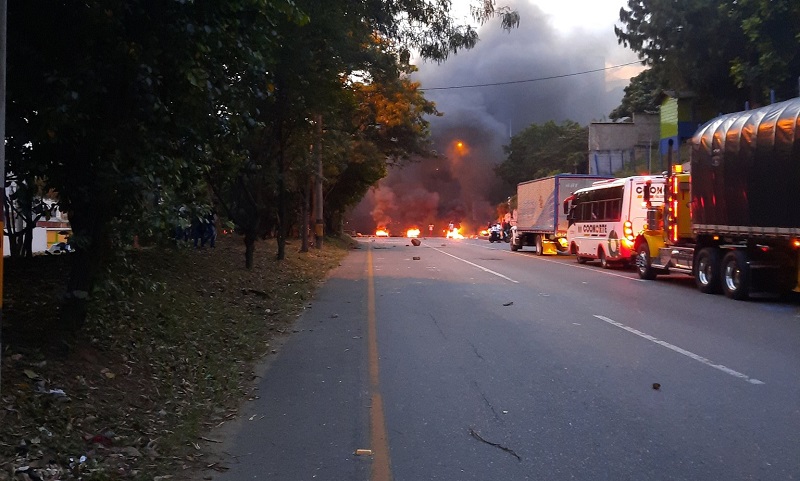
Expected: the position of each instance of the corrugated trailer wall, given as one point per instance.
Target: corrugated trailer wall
(746, 169)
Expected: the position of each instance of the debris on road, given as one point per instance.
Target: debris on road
(508, 303)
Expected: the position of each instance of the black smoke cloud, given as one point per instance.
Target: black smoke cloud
(459, 186)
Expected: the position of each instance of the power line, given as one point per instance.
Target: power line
(533, 79)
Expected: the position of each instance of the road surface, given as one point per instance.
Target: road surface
(460, 360)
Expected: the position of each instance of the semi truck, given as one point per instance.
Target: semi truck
(538, 222)
(731, 218)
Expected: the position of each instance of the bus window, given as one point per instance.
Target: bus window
(614, 209)
(598, 210)
(586, 211)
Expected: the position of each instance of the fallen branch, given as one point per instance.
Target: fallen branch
(477, 436)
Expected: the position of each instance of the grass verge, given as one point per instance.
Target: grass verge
(166, 356)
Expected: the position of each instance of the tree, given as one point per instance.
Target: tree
(770, 59)
(118, 112)
(683, 38)
(542, 150)
(25, 205)
(726, 52)
(384, 124)
(314, 61)
(641, 95)
(140, 108)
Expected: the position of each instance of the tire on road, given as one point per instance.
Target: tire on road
(736, 279)
(707, 270)
(604, 263)
(643, 265)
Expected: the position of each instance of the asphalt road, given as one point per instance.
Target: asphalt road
(460, 360)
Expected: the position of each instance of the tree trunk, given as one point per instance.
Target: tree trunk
(249, 248)
(282, 224)
(27, 242)
(75, 303)
(85, 264)
(318, 208)
(305, 217)
(89, 226)
(282, 101)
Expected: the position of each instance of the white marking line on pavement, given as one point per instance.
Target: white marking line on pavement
(679, 350)
(576, 266)
(474, 265)
(597, 270)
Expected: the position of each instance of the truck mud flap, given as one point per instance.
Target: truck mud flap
(549, 248)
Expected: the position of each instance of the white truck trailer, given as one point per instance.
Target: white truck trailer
(540, 220)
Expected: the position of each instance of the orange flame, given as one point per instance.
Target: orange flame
(454, 234)
(413, 232)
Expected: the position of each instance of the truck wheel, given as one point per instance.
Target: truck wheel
(514, 245)
(706, 270)
(736, 275)
(539, 248)
(643, 266)
(601, 254)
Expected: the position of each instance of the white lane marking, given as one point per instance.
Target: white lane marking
(576, 266)
(598, 270)
(679, 350)
(474, 265)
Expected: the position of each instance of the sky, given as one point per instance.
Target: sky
(555, 38)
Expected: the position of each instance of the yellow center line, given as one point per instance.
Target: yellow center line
(381, 463)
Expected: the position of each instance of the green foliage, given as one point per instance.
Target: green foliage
(139, 109)
(726, 52)
(543, 150)
(770, 59)
(641, 96)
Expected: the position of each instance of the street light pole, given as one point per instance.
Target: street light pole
(3, 37)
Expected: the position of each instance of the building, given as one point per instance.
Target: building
(627, 144)
(681, 115)
(47, 232)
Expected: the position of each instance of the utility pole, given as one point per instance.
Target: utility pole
(3, 37)
(319, 224)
